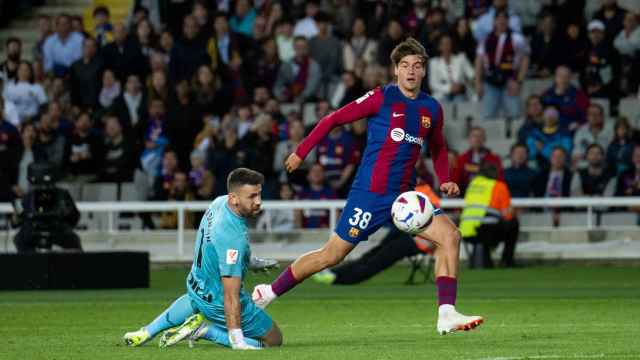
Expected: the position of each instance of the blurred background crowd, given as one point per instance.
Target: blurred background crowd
(180, 93)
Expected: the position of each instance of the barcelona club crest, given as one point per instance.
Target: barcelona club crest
(426, 121)
(354, 232)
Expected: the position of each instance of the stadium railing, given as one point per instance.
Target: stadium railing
(333, 206)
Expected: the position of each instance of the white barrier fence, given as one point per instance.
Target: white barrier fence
(112, 208)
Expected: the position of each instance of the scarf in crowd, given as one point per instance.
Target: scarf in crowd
(301, 77)
(500, 55)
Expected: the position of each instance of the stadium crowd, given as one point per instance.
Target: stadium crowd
(180, 97)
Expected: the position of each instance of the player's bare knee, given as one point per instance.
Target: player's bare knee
(453, 238)
(274, 337)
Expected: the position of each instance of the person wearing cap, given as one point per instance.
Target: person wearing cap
(598, 74)
(542, 141)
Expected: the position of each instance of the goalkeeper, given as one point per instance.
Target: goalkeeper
(216, 307)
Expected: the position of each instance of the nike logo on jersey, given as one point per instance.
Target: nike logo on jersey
(395, 114)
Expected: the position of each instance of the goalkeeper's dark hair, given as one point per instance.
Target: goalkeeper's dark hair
(243, 176)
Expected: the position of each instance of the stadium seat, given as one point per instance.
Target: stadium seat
(73, 189)
(100, 192)
(535, 86)
(455, 131)
(496, 129)
(129, 192)
(449, 111)
(576, 219)
(619, 219)
(543, 219)
(500, 147)
(288, 108)
(630, 108)
(467, 109)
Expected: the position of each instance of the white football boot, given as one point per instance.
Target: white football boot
(449, 320)
(263, 295)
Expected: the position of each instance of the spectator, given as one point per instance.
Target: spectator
(627, 42)
(150, 10)
(628, 183)
(145, 38)
(163, 177)
(299, 79)
(44, 30)
(57, 118)
(620, 149)
(326, 50)
(529, 12)
(260, 145)
(164, 50)
(595, 179)
(157, 86)
(102, 27)
(348, 90)
(612, 17)
(124, 56)
(274, 17)
(450, 73)
(50, 144)
(281, 220)
(117, 164)
(200, 178)
(131, 109)
(284, 39)
(393, 36)
(284, 148)
(533, 118)
(110, 89)
(464, 40)
(77, 25)
(595, 131)
(9, 67)
(9, 157)
(84, 151)
(545, 47)
(200, 12)
(62, 48)
(358, 46)
(210, 93)
(27, 96)
(243, 119)
(267, 65)
(542, 141)
(597, 77)
(435, 26)
(85, 76)
(179, 190)
(570, 101)
(155, 138)
(485, 24)
(468, 164)
(339, 155)
(501, 65)
(555, 180)
(184, 122)
(574, 47)
(188, 53)
(307, 26)
(225, 155)
(317, 190)
(243, 18)
(519, 176)
(26, 158)
(59, 91)
(224, 43)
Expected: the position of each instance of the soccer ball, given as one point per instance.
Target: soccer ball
(412, 212)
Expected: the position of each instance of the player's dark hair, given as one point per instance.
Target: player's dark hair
(243, 176)
(408, 47)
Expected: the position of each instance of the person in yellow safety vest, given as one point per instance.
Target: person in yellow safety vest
(395, 246)
(487, 218)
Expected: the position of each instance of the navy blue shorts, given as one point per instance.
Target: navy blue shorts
(364, 213)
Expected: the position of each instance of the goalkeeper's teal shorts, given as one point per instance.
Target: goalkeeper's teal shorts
(255, 322)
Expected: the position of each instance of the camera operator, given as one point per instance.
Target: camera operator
(46, 215)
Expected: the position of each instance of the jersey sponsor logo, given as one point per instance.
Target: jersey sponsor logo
(398, 134)
(354, 232)
(364, 97)
(426, 121)
(232, 256)
(395, 114)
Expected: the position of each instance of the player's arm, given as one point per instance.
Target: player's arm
(439, 156)
(363, 107)
(233, 311)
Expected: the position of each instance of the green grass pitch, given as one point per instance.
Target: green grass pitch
(564, 312)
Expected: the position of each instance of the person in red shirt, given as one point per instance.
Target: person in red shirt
(469, 162)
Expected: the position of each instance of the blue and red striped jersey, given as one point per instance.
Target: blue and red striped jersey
(398, 127)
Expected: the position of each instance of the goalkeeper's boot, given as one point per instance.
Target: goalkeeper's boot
(449, 320)
(136, 338)
(325, 276)
(175, 335)
(263, 295)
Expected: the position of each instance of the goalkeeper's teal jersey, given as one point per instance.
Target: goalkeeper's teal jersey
(222, 249)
